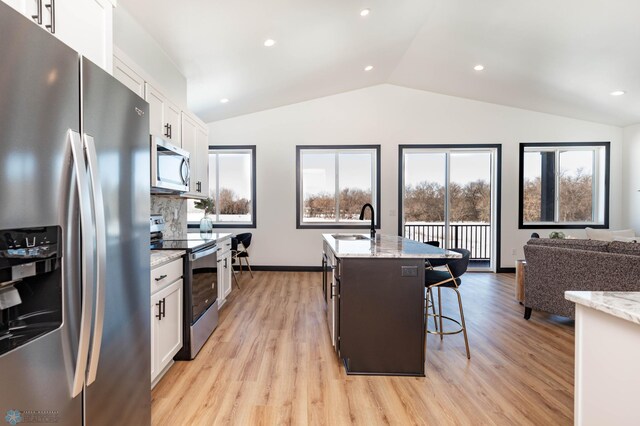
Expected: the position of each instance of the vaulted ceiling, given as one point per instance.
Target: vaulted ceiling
(562, 57)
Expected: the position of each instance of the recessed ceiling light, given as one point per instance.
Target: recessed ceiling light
(224, 100)
(618, 93)
(478, 67)
(365, 12)
(368, 68)
(269, 42)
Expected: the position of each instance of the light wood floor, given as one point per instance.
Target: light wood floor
(270, 362)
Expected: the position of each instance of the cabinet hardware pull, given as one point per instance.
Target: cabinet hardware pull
(170, 131)
(166, 129)
(159, 305)
(52, 7)
(164, 308)
(38, 16)
(161, 277)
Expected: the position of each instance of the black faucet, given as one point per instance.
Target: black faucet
(373, 218)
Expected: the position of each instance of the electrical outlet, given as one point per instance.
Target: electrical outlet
(513, 252)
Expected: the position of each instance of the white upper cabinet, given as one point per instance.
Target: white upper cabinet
(202, 159)
(164, 116)
(84, 25)
(128, 77)
(195, 140)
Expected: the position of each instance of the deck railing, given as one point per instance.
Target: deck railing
(475, 237)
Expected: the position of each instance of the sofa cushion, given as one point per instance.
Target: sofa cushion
(571, 243)
(621, 247)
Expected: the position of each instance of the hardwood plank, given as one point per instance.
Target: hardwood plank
(271, 362)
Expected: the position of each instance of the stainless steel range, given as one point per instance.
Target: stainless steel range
(200, 286)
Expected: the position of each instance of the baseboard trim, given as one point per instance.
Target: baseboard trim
(506, 270)
(285, 268)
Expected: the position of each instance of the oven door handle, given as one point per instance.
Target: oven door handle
(203, 253)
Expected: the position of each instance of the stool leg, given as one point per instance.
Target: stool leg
(464, 327)
(246, 259)
(440, 313)
(433, 309)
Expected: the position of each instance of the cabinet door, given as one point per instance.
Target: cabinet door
(221, 295)
(172, 117)
(84, 25)
(202, 159)
(128, 77)
(170, 326)
(227, 275)
(156, 111)
(189, 129)
(155, 310)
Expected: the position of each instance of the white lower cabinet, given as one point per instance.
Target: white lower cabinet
(166, 320)
(225, 271)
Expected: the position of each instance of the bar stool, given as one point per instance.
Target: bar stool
(449, 278)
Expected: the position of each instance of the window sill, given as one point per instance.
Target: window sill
(332, 226)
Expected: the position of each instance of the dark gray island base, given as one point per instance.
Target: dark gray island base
(374, 291)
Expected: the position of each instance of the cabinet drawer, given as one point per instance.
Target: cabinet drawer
(224, 247)
(166, 274)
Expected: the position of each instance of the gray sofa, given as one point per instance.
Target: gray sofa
(555, 266)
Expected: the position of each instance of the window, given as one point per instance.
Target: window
(564, 185)
(232, 188)
(334, 182)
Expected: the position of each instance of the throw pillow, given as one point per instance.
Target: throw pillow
(626, 233)
(607, 235)
(598, 234)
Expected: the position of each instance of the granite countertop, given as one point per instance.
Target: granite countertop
(158, 257)
(625, 305)
(385, 246)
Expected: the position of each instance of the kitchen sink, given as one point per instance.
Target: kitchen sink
(350, 237)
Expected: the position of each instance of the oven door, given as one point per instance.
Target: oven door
(170, 169)
(204, 281)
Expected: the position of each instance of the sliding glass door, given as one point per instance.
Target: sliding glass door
(449, 196)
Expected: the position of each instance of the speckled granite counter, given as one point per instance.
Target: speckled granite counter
(625, 305)
(158, 257)
(384, 246)
(607, 341)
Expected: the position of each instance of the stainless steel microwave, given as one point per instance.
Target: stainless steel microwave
(170, 167)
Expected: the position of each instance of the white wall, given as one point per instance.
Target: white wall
(391, 115)
(631, 177)
(136, 43)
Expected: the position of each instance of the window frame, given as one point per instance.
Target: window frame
(574, 146)
(253, 180)
(300, 224)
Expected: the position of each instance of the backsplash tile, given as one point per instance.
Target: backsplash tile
(175, 228)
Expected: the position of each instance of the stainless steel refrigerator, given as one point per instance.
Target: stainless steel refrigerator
(74, 237)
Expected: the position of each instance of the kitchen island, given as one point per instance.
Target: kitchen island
(607, 370)
(375, 297)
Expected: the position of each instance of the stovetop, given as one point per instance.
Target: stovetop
(189, 245)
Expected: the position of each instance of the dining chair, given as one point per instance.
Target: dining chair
(241, 252)
(448, 278)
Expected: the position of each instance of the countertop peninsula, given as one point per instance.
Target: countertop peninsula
(158, 257)
(624, 305)
(383, 246)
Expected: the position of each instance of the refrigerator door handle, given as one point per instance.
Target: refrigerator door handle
(86, 316)
(101, 255)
